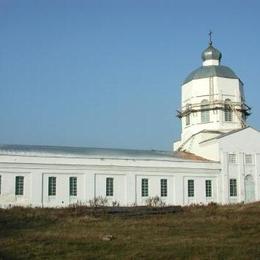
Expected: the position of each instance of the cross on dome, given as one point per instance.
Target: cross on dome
(210, 37)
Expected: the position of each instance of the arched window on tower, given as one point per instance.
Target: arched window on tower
(204, 106)
(188, 114)
(228, 111)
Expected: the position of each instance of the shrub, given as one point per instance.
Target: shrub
(98, 202)
(155, 202)
(115, 203)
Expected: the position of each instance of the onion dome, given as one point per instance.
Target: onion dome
(211, 66)
(211, 53)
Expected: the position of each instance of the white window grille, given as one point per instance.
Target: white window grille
(164, 188)
(208, 188)
(249, 159)
(232, 158)
(19, 185)
(204, 111)
(228, 111)
(52, 186)
(190, 188)
(233, 187)
(109, 187)
(145, 188)
(73, 186)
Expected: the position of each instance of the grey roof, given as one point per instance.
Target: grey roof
(97, 153)
(211, 53)
(211, 71)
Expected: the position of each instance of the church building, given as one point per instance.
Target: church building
(217, 158)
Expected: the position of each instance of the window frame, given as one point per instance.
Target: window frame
(19, 185)
(164, 187)
(191, 188)
(247, 156)
(233, 187)
(228, 113)
(205, 112)
(73, 186)
(52, 186)
(145, 187)
(109, 187)
(187, 117)
(208, 188)
(232, 158)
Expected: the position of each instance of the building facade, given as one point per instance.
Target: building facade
(216, 160)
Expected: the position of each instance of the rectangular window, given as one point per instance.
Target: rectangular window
(204, 116)
(52, 186)
(249, 158)
(228, 115)
(205, 108)
(19, 185)
(233, 187)
(190, 188)
(163, 187)
(109, 187)
(208, 189)
(73, 186)
(145, 188)
(228, 110)
(232, 158)
(188, 119)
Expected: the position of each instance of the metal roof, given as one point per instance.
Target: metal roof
(211, 53)
(95, 153)
(211, 71)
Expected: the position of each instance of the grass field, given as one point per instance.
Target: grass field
(199, 232)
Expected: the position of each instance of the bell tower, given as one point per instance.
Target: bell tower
(212, 99)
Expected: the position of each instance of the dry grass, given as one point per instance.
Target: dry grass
(212, 232)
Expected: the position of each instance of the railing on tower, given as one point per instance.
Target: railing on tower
(240, 109)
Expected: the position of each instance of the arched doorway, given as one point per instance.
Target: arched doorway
(249, 189)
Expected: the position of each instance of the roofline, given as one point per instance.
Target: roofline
(228, 133)
(46, 151)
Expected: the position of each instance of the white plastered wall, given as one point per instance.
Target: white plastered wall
(197, 90)
(92, 174)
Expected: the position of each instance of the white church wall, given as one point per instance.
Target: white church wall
(8, 195)
(211, 89)
(62, 197)
(241, 145)
(208, 150)
(119, 187)
(91, 182)
(246, 140)
(154, 188)
(228, 88)
(257, 175)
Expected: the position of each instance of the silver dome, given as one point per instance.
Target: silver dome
(211, 53)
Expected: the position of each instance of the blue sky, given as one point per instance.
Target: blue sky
(109, 73)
